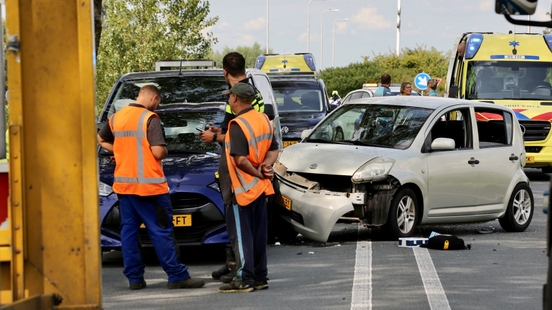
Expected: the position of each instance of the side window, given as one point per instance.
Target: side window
(494, 127)
(455, 125)
(366, 95)
(357, 95)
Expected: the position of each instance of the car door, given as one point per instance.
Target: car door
(498, 154)
(453, 175)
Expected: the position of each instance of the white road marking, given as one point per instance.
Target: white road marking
(434, 290)
(362, 283)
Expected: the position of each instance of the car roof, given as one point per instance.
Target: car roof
(186, 72)
(423, 101)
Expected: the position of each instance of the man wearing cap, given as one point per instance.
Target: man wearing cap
(233, 65)
(250, 149)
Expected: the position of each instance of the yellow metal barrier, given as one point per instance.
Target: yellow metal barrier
(54, 238)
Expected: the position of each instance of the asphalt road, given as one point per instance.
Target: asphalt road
(360, 269)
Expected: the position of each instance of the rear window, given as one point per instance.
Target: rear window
(298, 96)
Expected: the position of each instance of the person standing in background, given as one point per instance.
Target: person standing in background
(383, 89)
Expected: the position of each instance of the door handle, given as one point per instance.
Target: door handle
(473, 161)
(513, 157)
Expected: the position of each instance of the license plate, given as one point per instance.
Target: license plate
(180, 220)
(530, 159)
(288, 143)
(283, 201)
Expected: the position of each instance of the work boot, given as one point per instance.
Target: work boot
(188, 283)
(227, 268)
(220, 272)
(137, 285)
(227, 278)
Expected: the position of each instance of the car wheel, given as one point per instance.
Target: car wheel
(520, 209)
(339, 136)
(403, 213)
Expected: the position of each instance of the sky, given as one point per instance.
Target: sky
(371, 29)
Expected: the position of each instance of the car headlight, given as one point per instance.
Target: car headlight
(214, 186)
(373, 170)
(105, 190)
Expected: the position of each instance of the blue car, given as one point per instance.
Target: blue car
(190, 99)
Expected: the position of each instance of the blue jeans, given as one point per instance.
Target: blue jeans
(156, 213)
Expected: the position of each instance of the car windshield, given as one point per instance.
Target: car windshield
(372, 125)
(174, 89)
(180, 121)
(499, 80)
(298, 96)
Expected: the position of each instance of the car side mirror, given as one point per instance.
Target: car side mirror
(453, 92)
(269, 111)
(443, 144)
(305, 133)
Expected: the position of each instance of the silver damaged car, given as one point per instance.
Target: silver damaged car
(400, 162)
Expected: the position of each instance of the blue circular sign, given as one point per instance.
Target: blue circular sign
(420, 81)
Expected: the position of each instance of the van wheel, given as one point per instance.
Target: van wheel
(403, 213)
(339, 136)
(520, 209)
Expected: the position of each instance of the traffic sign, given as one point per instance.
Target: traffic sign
(420, 81)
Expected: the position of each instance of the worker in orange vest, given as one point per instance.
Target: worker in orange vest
(250, 151)
(135, 136)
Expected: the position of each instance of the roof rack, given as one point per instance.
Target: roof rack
(188, 64)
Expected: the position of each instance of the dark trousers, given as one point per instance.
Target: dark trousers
(156, 213)
(247, 228)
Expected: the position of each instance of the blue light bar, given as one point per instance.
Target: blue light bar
(473, 44)
(309, 59)
(548, 39)
(259, 62)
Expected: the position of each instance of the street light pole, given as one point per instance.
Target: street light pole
(267, 26)
(322, 37)
(333, 39)
(398, 27)
(308, 25)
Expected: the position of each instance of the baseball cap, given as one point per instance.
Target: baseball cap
(242, 90)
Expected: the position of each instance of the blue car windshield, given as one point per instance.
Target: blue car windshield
(180, 122)
(388, 126)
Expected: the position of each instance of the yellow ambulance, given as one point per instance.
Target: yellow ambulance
(281, 63)
(513, 70)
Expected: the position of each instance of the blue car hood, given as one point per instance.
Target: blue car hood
(180, 169)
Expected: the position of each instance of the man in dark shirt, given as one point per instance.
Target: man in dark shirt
(142, 189)
(233, 65)
(245, 180)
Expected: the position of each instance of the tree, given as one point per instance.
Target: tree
(137, 33)
(402, 68)
(250, 54)
(98, 19)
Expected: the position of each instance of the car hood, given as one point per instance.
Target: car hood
(301, 119)
(295, 123)
(332, 159)
(189, 169)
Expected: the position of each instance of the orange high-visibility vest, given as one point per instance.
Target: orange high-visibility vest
(259, 133)
(137, 171)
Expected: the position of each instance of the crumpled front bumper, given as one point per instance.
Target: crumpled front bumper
(318, 212)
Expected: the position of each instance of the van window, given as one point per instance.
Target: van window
(499, 80)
